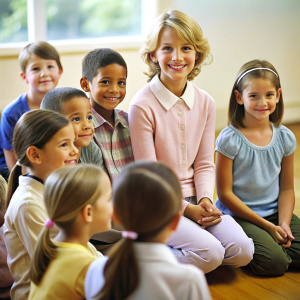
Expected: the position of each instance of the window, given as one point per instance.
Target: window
(73, 21)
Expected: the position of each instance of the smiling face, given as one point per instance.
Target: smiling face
(78, 111)
(59, 151)
(176, 59)
(42, 75)
(108, 88)
(259, 98)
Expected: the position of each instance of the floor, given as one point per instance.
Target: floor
(238, 284)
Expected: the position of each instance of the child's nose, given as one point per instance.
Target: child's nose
(177, 55)
(74, 150)
(86, 124)
(44, 71)
(114, 87)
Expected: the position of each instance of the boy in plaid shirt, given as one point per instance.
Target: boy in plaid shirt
(104, 74)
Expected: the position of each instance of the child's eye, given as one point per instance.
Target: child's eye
(167, 48)
(90, 118)
(76, 119)
(253, 96)
(186, 48)
(64, 145)
(122, 83)
(104, 82)
(50, 66)
(35, 69)
(270, 95)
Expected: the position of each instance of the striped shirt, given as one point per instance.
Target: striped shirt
(114, 142)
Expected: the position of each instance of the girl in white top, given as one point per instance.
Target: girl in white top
(43, 142)
(78, 202)
(147, 201)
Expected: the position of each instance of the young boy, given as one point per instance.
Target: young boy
(75, 105)
(104, 74)
(40, 69)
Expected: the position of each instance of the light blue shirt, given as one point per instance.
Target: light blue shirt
(256, 169)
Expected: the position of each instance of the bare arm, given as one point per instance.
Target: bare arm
(286, 200)
(10, 158)
(236, 205)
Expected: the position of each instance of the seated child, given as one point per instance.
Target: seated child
(77, 200)
(75, 105)
(6, 279)
(40, 69)
(41, 152)
(104, 74)
(141, 266)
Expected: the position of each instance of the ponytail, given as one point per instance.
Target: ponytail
(121, 272)
(13, 182)
(45, 251)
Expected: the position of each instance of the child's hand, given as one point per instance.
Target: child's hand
(278, 234)
(204, 214)
(289, 234)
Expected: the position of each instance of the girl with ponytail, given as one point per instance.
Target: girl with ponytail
(78, 202)
(43, 142)
(147, 203)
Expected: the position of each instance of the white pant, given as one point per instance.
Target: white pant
(224, 243)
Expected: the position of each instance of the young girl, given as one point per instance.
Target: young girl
(254, 161)
(78, 202)
(140, 266)
(173, 121)
(43, 142)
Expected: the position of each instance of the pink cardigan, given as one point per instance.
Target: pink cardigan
(179, 132)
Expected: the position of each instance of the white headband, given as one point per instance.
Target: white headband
(248, 71)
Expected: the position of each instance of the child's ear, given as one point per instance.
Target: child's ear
(33, 155)
(238, 97)
(84, 83)
(87, 213)
(197, 56)
(23, 77)
(115, 218)
(278, 95)
(60, 71)
(175, 221)
(153, 57)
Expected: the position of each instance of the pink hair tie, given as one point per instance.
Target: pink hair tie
(130, 235)
(49, 223)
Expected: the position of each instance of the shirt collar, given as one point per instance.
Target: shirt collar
(98, 120)
(167, 98)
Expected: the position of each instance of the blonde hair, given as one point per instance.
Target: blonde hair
(3, 188)
(138, 192)
(67, 191)
(188, 30)
(236, 112)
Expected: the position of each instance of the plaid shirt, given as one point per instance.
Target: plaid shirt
(115, 143)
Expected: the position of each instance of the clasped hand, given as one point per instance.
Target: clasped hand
(205, 213)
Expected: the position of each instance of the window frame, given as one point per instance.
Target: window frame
(36, 15)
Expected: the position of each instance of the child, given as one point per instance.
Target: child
(78, 202)
(104, 74)
(5, 276)
(43, 142)
(40, 69)
(173, 121)
(254, 166)
(75, 105)
(141, 266)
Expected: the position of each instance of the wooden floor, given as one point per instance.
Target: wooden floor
(226, 283)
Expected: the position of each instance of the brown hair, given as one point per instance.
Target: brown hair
(41, 49)
(188, 30)
(236, 111)
(34, 128)
(138, 192)
(67, 191)
(3, 188)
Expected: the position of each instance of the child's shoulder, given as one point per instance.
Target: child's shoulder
(287, 138)
(19, 105)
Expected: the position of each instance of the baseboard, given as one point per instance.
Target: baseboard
(291, 115)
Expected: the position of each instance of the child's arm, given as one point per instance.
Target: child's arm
(233, 203)
(10, 158)
(286, 199)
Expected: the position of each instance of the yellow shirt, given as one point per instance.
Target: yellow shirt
(64, 277)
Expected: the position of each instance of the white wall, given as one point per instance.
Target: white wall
(237, 30)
